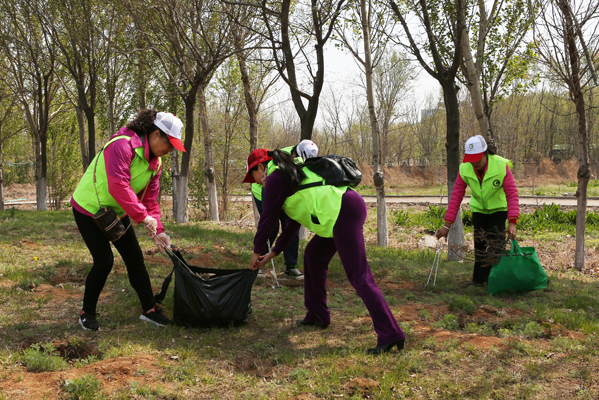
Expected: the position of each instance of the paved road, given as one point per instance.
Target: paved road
(524, 200)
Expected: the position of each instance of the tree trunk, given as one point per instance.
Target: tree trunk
(180, 197)
(379, 178)
(473, 85)
(42, 189)
(1, 180)
(250, 105)
(82, 138)
(175, 173)
(303, 233)
(141, 77)
(584, 172)
(209, 170)
(452, 116)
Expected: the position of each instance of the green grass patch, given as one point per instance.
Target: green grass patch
(272, 358)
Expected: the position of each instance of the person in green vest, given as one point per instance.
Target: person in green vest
(336, 215)
(305, 149)
(494, 200)
(125, 176)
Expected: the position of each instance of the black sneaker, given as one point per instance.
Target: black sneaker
(294, 273)
(88, 322)
(155, 317)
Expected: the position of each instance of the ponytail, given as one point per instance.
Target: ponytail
(292, 173)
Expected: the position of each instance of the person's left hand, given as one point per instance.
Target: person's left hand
(161, 241)
(262, 261)
(511, 230)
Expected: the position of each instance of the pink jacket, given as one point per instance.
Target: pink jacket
(509, 187)
(118, 156)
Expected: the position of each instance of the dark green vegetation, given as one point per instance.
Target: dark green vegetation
(462, 342)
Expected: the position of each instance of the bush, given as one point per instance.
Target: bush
(42, 358)
(462, 303)
(85, 388)
(532, 330)
(449, 322)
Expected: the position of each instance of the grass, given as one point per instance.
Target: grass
(462, 342)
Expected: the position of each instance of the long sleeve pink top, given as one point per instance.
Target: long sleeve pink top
(509, 187)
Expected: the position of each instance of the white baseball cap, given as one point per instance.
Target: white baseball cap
(172, 126)
(307, 149)
(475, 148)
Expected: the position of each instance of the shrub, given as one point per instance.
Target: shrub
(462, 303)
(449, 322)
(43, 357)
(85, 388)
(532, 330)
(424, 314)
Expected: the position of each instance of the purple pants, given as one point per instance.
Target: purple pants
(348, 240)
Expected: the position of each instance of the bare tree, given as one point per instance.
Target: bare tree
(30, 71)
(495, 63)
(9, 126)
(442, 20)
(77, 29)
(297, 34)
(190, 40)
(559, 33)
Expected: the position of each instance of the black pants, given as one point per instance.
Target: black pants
(99, 247)
(489, 240)
(291, 252)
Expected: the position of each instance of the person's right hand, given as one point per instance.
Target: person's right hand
(253, 260)
(150, 224)
(442, 232)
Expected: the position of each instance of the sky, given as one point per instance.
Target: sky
(342, 74)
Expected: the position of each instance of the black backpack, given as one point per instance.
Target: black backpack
(335, 170)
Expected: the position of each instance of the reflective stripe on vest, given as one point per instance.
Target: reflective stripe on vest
(85, 194)
(489, 197)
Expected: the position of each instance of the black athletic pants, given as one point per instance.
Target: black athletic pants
(99, 247)
(489, 240)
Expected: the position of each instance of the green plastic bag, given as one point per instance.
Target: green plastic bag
(518, 270)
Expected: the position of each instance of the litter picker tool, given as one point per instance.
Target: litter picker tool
(435, 265)
(274, 272)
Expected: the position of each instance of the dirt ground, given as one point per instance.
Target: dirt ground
(120, 373)
(145, 369)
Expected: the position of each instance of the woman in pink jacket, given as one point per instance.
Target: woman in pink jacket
(125, 176)
(494, 200)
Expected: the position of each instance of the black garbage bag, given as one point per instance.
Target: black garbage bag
(209, 296)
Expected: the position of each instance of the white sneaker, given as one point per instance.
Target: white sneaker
(294, 273)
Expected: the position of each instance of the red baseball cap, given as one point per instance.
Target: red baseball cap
(256, 157)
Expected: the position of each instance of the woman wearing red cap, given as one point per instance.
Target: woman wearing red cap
(125, 176)
(494, 199)
(336, 215)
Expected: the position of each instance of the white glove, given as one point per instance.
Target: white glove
(150, 224)
(162, 240)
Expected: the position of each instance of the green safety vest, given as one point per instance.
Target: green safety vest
(317, 208)
(85, 194)
(257, 191)
(489, 197)
(257, 188)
